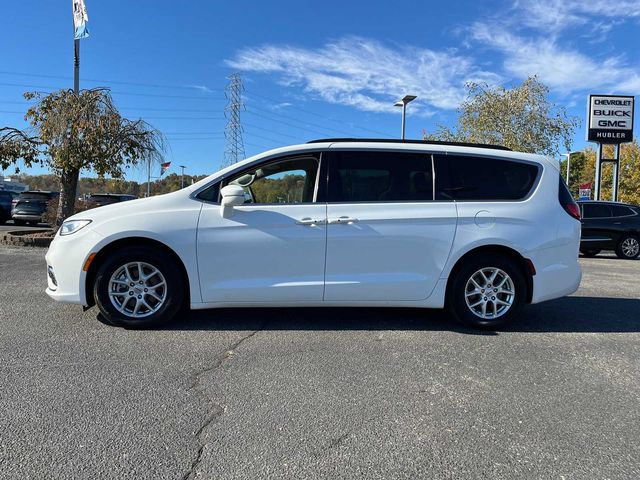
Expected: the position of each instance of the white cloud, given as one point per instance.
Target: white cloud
(563, 69)
(367, 74)
(556, 15)
(202, 88)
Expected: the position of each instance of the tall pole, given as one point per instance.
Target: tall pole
(148, 177)
(568, 166)
(76, 66)
(234, 147)
(616, 174)
(596, 195)
(182, 176)
(403, 103)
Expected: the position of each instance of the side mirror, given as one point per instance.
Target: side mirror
(232, 196)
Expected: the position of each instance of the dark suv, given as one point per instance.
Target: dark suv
(610, 226)
(6, 203)
(31, 206)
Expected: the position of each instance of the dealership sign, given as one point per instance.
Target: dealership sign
(584, 192)
(610, 119)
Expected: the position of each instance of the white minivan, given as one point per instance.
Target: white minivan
(479, 229)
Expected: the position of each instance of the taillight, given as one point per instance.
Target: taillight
(573, 210)
(566, 200)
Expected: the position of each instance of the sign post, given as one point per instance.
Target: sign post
(80, 31)
(610, 122)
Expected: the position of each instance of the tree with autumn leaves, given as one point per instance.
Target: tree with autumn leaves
(525, 120)
(582, 170)
(521, 118)
(72, 132)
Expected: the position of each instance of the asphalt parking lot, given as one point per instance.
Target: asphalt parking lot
(9, 226)
(321, 393)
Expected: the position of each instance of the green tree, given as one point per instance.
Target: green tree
(582, 170)
(521, 118)
(72, 132)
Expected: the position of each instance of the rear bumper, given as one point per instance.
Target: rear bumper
(558, 272)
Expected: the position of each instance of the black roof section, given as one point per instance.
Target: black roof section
(419, 142)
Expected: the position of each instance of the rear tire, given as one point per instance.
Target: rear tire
(628, 247)
(139, 288)
(489, 283)
(590, 253)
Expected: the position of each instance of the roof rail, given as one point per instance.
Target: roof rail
(420, 142)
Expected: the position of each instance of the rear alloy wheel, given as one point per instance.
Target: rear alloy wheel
(138, 288)
(591, 252)
(488, 291)
(628, 247)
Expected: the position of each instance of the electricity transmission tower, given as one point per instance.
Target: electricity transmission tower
(234, 147)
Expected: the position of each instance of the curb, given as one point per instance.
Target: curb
(18, 238)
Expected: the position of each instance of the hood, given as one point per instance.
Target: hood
(121, 209)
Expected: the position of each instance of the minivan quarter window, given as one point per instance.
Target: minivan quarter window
(467, 177)
(380, 176)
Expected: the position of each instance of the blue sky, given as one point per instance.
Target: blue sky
(313, 69)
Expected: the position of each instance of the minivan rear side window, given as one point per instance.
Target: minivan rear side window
(379, 176)
(466, 177)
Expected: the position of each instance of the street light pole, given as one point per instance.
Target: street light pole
(182, 176)
(403, 103)
(568, 155)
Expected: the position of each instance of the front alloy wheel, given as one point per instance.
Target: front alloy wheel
(139, 287)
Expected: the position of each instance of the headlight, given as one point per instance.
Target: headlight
(72, 226)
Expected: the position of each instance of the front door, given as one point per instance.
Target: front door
(272, 248)
(387, 240)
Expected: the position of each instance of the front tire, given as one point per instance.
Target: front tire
(590, 253)
(487, 292)
(628, 247)
(138, 288)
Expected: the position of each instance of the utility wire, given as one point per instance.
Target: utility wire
(114, 92)
(114, 82)
(318, 114)
(300, 127)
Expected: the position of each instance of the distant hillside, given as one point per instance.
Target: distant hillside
(167, 184)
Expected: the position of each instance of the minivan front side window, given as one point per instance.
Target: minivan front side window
(291, 180)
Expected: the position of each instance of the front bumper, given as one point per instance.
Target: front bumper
(28, 217)
(65, 258)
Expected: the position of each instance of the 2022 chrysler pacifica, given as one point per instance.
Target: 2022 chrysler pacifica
(340, 222)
